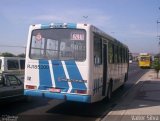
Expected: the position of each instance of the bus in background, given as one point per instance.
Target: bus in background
(144, 60)
(73, 62)
(13, 65)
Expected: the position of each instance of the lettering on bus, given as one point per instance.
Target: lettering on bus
(71, 80)
(37, 66)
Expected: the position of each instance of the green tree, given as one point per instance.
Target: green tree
(156, 65)
(21, 55)
(6, 54)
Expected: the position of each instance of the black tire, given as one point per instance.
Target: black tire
(109, 92)
(126, 77)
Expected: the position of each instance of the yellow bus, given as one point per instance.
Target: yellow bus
(144, 60)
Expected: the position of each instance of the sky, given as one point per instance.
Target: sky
(133, 22)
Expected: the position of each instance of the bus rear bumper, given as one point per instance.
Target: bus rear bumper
(61, 96)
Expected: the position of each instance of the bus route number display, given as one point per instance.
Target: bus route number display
(77, 36)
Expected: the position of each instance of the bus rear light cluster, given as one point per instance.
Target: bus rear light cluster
(81, 91)
(31, 87)
(55, 90)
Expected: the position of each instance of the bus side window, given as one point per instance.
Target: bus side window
(12, 64)
(123, 55)
(118, 54)
(126, 55)
(110, 51)
(115, 54)
(97, 50)
(0, 64)
(22, 64)
(120, 59)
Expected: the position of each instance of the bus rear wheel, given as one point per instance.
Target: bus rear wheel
(109, 92)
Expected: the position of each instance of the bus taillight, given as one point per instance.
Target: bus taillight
(55, 90)
(81, 91)
(31, 87)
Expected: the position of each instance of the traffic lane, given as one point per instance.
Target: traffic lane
(20, 106)
(44, 109)
(134, 74)
(133, 66)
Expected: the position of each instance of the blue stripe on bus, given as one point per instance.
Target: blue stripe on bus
(45, 26)
(58, 25)
(59, 75)
(74, 74)
(71, 25)
(44, 75)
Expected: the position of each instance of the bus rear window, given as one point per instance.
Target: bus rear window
(145, 59)
(58, 44)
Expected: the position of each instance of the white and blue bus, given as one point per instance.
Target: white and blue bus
(73, 62)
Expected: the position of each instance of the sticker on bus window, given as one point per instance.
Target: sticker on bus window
(77, 36)
(38, 37)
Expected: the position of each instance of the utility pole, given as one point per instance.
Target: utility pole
(158, 22)
(158, 36)
(157, 30)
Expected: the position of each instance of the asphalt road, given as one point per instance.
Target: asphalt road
(40, 109)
